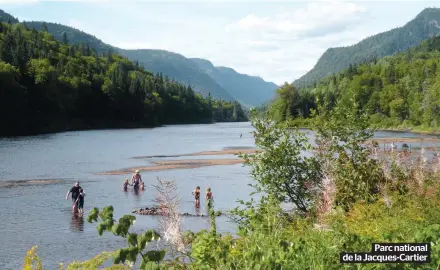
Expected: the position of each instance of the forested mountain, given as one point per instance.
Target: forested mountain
(400, 90)
(249, 90)
(5, 17)
(47, 85)
(74, 36)
(426, 24)
(178, 67)
(173, 65)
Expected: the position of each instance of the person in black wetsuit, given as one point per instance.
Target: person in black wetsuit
(75, 192)
(80, 201)
(196, 194)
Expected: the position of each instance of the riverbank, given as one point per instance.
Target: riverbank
(62, 125)
(308, 124)
(413, 130)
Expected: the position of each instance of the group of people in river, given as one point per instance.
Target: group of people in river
(208, 197)
(78, 194)
(136, 182)
(390, 147)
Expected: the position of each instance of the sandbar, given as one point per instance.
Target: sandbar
(226, 151)
(16, 183)
(177, 164)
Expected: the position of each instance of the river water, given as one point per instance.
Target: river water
(40, 215)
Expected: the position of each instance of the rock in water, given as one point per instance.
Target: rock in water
(153, 211)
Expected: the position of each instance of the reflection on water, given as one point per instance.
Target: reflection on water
(137, 195)
(77, 224)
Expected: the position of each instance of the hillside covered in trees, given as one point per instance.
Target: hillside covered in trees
(47, 85)
(400, 90)
(178, 67)
(226, 84)
(425, 25)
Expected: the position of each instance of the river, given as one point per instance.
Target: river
(39, 214)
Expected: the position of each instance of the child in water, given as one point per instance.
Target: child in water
(196, 194)
(80, 201)
(142, 186)
(209, 197)
(126, 184)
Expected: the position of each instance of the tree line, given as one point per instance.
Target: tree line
(395, 91)
(49, 86)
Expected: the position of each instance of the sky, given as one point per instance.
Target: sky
(277, 40)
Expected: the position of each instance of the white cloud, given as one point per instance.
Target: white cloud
(18, 2)
(303, 21)
(284, 45)
(249, 22)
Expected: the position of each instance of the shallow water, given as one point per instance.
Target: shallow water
(40, 215)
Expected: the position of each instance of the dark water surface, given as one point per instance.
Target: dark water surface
(36, 214)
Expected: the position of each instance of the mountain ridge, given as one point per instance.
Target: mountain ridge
(171, 64)
(242, 84)
(423, 26)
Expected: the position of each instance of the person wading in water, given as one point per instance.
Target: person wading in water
(196, 194)
(136, 180)
(80, 201)
(125, 184)
(75, 192)
(209, 198)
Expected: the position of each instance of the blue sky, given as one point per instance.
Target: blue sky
(276, 40)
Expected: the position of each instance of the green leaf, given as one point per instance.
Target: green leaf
(107, 213)
(151, 266)
(100, 229)
(115, 229)
(143, 264)
(121, 256)
(141, 241)
(132, 254)
(132, 239)
(151, 235)
(93, 215)
(130, 218)
(155, 255)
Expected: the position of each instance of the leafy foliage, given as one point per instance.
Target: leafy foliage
(137, 243)
(96, 262)
(345, 131)
(53, 86)
(32, 261)
(281, 169)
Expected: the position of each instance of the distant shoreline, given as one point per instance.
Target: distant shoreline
(91, 127)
